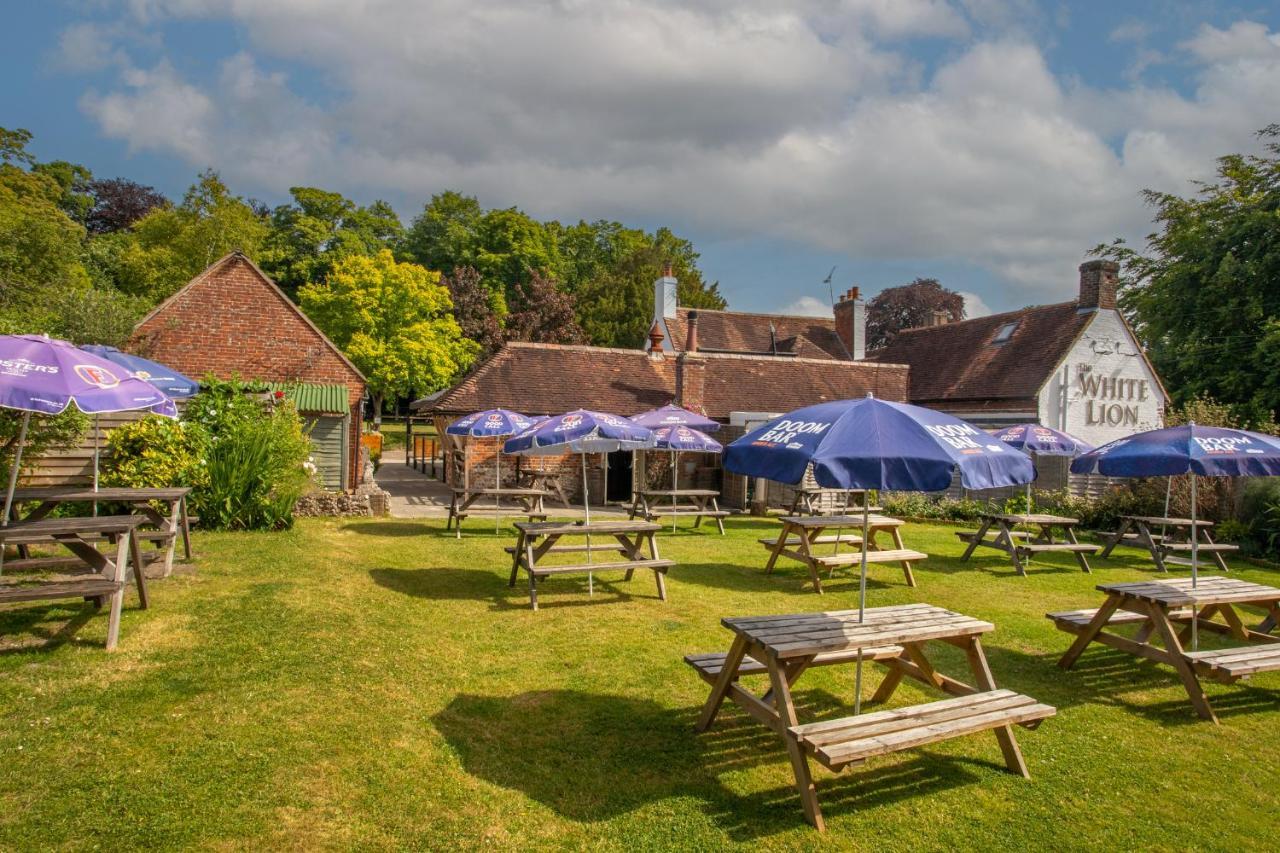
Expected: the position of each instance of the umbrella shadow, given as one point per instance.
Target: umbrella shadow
(786, 579)
(568, 750)
(447, 583)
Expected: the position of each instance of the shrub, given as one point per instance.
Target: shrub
(1260, 513)
(155, 452)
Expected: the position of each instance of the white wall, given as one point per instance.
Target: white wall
(1109, 390)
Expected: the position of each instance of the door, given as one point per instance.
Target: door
(328, 435)
(618, 484)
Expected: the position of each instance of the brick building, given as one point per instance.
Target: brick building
(233, 320)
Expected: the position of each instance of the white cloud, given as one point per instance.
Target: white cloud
(973, 305)
(88, 47)
(808, 306)
(802, 121)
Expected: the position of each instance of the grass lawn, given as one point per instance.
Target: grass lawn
(375, 684)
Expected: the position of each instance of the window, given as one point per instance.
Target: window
(1005, 332)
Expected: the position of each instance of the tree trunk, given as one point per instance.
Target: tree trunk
(377, 411)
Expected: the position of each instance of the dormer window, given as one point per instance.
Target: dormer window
(1004, 333)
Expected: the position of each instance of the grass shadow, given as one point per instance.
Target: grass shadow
(43, 622)
(394, 529)
(790, 579)
(444, 583)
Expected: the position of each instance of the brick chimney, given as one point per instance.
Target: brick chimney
(691, 339)
(691, 381)
(940, 317)
(1098, 281)
(851, 323)
(655, 340)
(665, 304)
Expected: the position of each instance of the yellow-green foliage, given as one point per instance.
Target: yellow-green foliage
(155, 452)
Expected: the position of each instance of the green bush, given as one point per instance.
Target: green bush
(155, 452)
(922, 505)
(1260, 513)
(257, 472)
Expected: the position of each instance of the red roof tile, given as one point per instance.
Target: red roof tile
(748, 334)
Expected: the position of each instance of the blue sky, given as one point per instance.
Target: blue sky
(988, 143)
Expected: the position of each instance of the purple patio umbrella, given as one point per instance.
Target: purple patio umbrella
(1036, 440)
(685, 439)
(491, 423)
(673, 415)
(45, 375)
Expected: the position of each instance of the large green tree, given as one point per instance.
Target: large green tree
(1204, 296)
(394, 321)
(318, 229)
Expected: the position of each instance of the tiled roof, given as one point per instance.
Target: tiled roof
(738, 332)
(959, 361)
(767, 384)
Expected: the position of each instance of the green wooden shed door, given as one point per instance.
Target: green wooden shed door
(328, 448)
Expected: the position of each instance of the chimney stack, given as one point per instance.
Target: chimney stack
(691, 342)
(655, 340)
(851, 323)
(1098, 280)
(664, 304)
(941, 317)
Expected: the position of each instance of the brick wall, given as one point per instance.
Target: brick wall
(231, 319)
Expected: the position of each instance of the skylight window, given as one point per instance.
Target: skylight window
(1005, 332)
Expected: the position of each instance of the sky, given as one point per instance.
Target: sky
(987, 143)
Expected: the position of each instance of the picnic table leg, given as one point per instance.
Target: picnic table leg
(1071, 537)
(1008, 743)
(117, 599)
(529, 563)
(1096, 624)
(1144, 536)
(720, 689)
(1217, 555)
(515, 558)
(659, 574)
(186, 530)
(806, 542)
(977, 538)
(1267, 625)
(799, 761)
(896, 534)
(135, 554)
(1017, 560)
(778, 547)
(1177, 659)
(171, 526)
(715, 506)
(1114, 539)
(884, 692)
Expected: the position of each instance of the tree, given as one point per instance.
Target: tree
(1203, 297)
(908, 306)
(118, 203)
(309, 236)
(478, 310)
(443, 236)
(543, 313)
(171, 245)
(394, 321)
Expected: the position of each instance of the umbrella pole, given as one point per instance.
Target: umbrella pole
(586, 511)
(675, 480)
(1195, 565)
(96, 435)
(862, 606)
(1168, 493)
(497, 484)
(13, 477)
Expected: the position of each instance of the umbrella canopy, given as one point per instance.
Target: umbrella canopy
(1042, 440)
(685, 440)
(580, 431)
(876, 444)
(45, 375)
(673, 415)
(490, 423)
(1188, 449)
(168, 380)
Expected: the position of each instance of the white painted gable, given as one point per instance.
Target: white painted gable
(1104, 388)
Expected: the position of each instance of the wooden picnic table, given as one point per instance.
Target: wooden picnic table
(783, 647)
(535, 540)
(1021, 545)
(526, 502)
(548, 481)
(1174, 538)
(651, 504)
(167, 526)
(808, 501)
(803, 539)
(1154, 606)
(96, 576)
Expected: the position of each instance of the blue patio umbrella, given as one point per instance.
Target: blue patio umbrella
(582, 432)
(876, 444)
(1036, 440)
(684, 439)
(491, 423)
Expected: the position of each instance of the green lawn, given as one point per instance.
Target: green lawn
(376, 684)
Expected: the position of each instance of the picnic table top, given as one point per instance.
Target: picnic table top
(822, 490)
(1172, 522)
(59, 526)
(568, 528)
(805, 634)
(1213, 589)
(679, 493)
(517, 492)
(1033, 518)
(820, 521)
(112, 493)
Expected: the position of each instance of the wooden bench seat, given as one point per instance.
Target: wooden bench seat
(1206, 547)
(577, 549)
(95, 587)
(827, 539)
(968, 535)
(898, 555)
(1234, 664)
(709, 665)
(583, 568)
(1068, 547)
(837, 743)
(655, 511)
(1076, 620)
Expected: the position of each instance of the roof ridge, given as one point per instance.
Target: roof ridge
(1027, 309)
(701, 311)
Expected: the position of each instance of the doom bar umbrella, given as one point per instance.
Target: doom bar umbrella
(1035, 440)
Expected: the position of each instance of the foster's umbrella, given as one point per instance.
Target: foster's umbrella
(685, 439)
(491, 423)
(875, 444)
(45, 376)
(1188, 449)
(1035, 440)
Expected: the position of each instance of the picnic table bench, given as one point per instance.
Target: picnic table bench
(698, 503)
(527, 503)
(548, 481)
(1155, 607)
(784, 647)
(161, 527)
(808, 501)
(102, 576)
(1176, 539)
(535, 540)
(801, 535)
(1022, 545)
